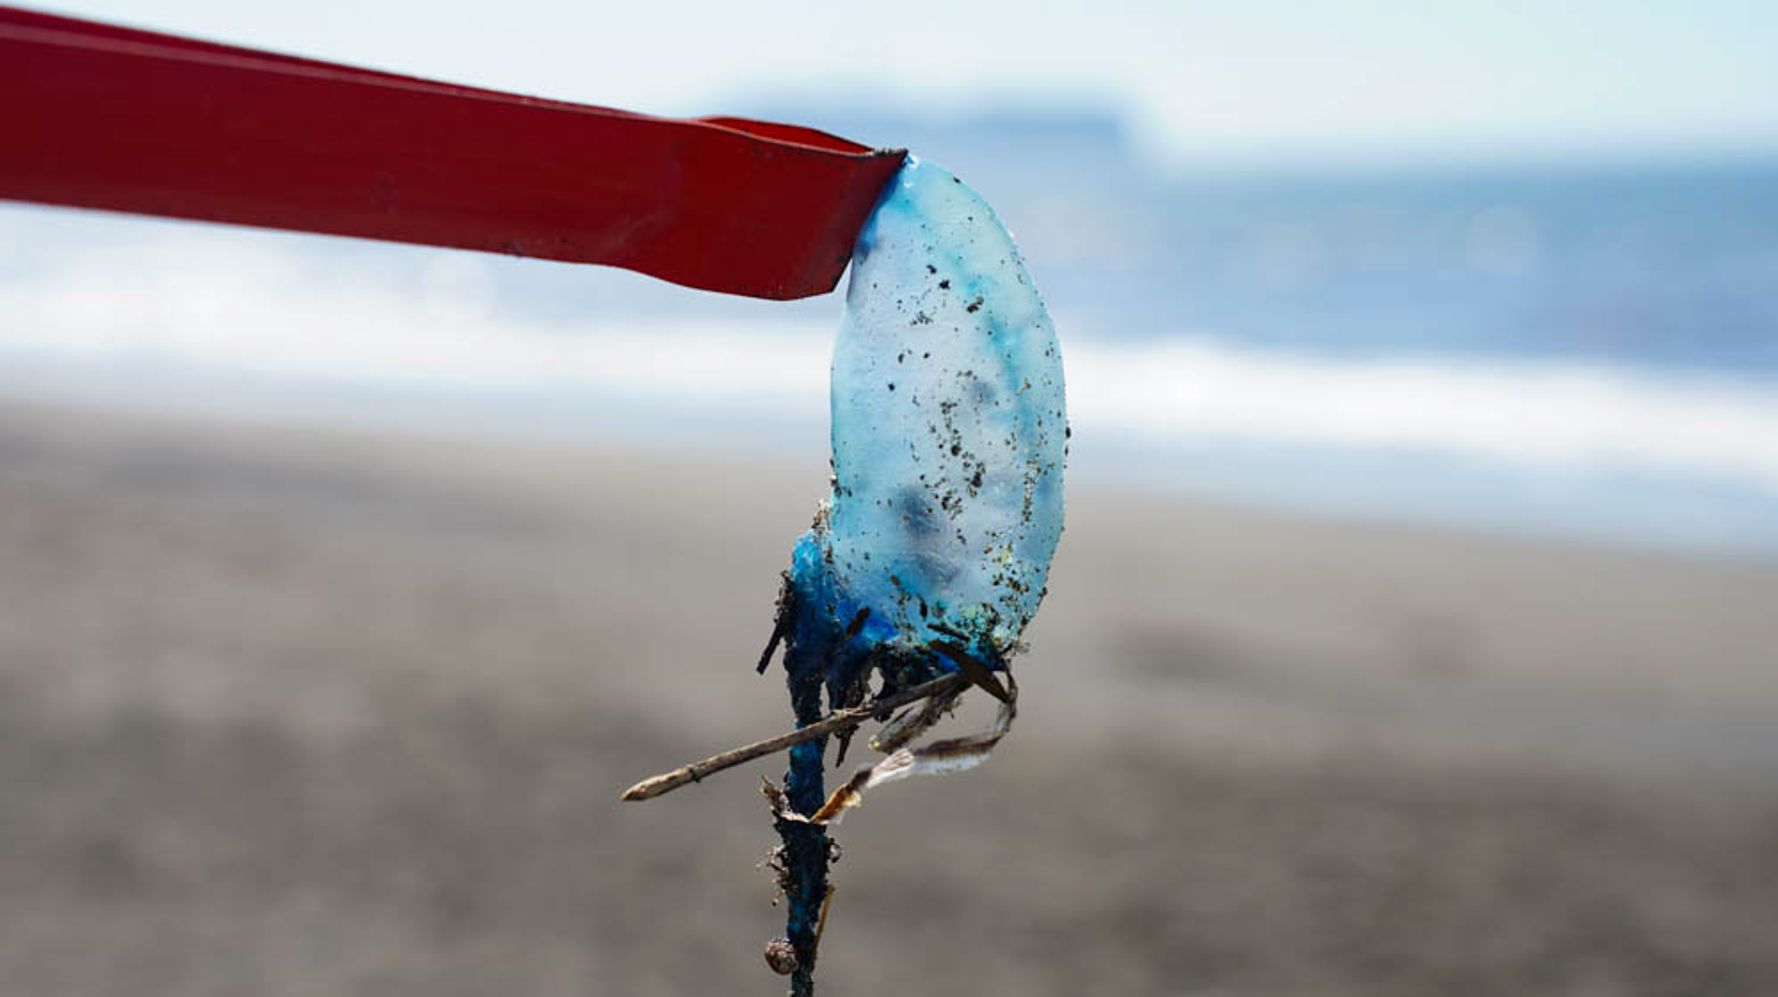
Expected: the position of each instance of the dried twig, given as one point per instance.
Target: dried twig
(840, 720)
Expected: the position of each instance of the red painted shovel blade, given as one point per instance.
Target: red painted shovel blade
(100, 116)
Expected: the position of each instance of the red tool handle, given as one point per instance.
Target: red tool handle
(100, 116)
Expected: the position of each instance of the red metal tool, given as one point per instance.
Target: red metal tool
(99, 116)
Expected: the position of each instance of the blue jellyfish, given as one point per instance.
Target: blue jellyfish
(932, 553)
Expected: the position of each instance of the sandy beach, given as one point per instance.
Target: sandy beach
(291, 711)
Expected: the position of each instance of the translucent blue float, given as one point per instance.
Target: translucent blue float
(949, 435)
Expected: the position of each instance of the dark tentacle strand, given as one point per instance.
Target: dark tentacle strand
(810, 640)
(824, 652)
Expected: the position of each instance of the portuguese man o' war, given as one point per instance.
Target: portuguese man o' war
(932, 553)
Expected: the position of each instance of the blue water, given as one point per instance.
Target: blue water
(1657, 269)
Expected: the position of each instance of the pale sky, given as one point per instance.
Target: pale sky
(1231, 78)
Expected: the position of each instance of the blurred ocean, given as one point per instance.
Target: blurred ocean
(1574, 349)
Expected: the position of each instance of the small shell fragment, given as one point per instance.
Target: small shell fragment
(781, 956)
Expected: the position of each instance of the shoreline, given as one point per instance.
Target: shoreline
(1352, 628)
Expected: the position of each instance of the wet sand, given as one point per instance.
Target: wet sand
(289, 711)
